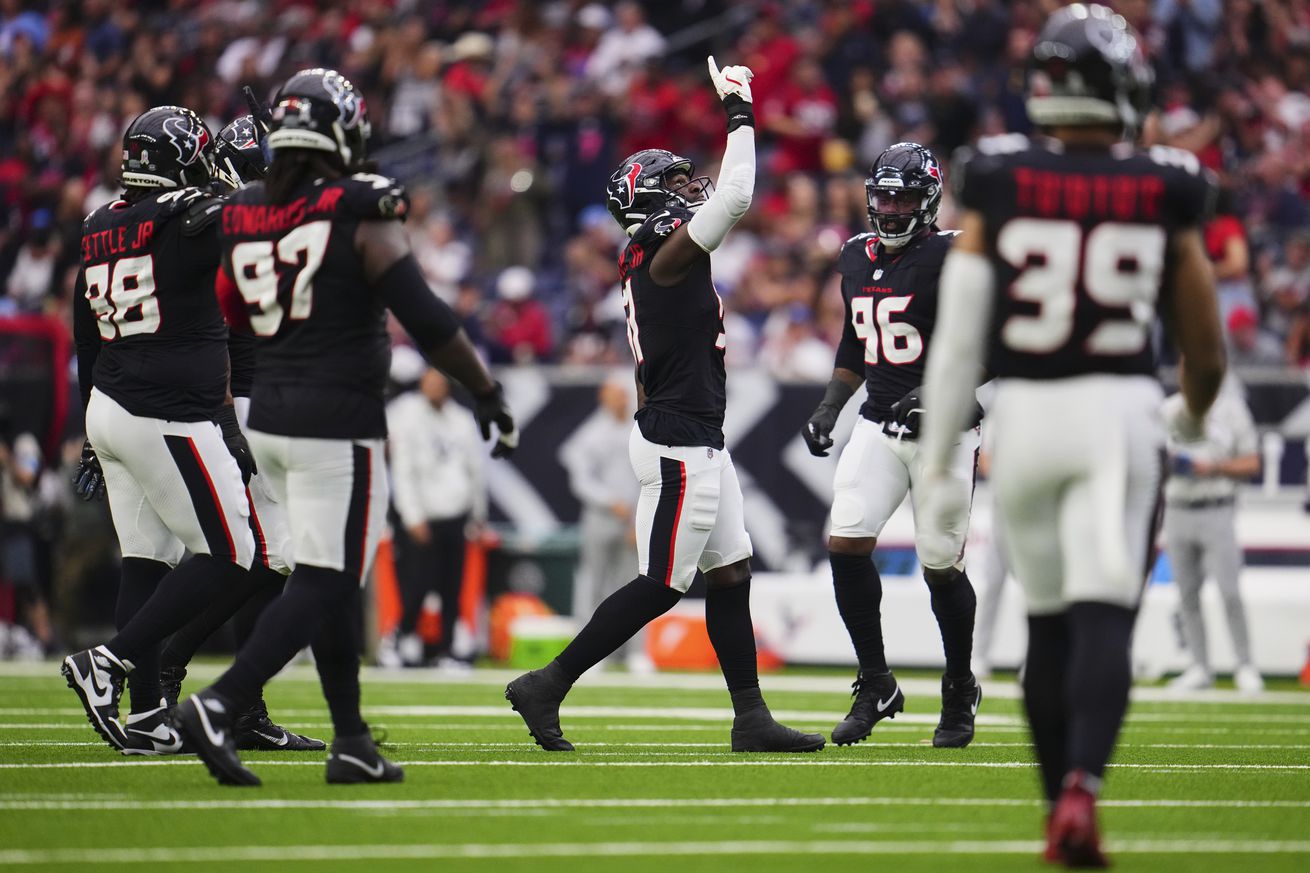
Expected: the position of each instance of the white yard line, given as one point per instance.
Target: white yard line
(321, 852)
(588, 760)
(484, 676)
(128, 804)
(872, 745)
(706, 713)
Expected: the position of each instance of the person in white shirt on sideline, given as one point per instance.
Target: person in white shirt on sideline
(600, 476)
(1200, 529)
(438, 490)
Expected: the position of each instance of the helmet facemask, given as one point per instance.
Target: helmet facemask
(899, 214)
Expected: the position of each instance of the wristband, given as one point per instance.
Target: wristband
(740, 112)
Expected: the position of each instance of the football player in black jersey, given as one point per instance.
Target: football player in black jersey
(889, 283)
(313, 257)
(1069, 246)
(240, 158)
(162, 432)
(689, 514)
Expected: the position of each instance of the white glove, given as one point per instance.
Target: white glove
(731, 80)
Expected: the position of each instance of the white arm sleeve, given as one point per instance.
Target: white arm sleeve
(964, 307)
(732, 192)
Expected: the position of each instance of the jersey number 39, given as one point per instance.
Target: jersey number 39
(1117, 266)
(261, 269)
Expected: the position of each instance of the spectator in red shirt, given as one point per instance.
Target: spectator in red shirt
(802, 115)
(1225, 240)
(518, 330)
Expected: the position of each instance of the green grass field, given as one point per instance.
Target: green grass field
(1206, 782)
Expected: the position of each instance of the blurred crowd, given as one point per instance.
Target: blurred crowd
(506, 117)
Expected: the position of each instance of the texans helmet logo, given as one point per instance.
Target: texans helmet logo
(626, 185)
(349, 104)
(187, 136)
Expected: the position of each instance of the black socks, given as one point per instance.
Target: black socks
(180, 595)
(183, 645)
(728, 621)
(289, 624)
(1076, 683)
(954, 603)
(1098, 681)
(615, 621)
(858, 589)
(140, 578)
(1045, 668)
(336, 649)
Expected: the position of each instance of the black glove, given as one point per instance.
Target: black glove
(236, 443)
(89, 480)
(818, 430)
(490, 409)
(907, 412)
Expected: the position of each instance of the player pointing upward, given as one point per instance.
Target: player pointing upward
(689, 514)
(1068, 247)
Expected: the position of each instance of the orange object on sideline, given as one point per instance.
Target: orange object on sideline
(504, 611)
(1305, 671)
(681, 641)
(386, 588)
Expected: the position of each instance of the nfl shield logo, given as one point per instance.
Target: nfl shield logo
(709, 453)
(877, 274)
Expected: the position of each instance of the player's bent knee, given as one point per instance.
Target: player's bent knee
(731, 576)
(862, 546)
(941, 575)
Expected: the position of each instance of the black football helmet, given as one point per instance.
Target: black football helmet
(240, 154)
(904, 192)
(1088, 68)
(320, 109)
(639, 187)
(167, 147)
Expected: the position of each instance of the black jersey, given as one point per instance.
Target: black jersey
(149, 331)
(891, 307)
(321, 352)
(676, 335)
(1080, 244)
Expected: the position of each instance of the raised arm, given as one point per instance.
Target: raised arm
(732, 192)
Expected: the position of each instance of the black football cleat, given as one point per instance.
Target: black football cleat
(97, 676)
(960, 699)
(151, 733)
(170, 682)
(536, 697)
(255, 731)
(756, 731)
(205, 722)
(356, 759)
(877, 696)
